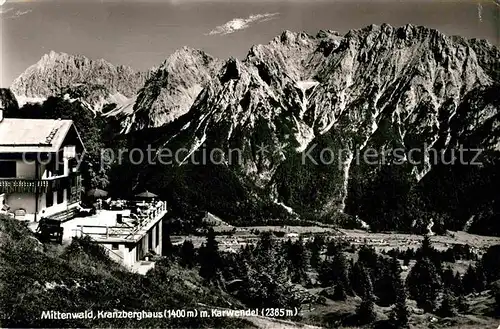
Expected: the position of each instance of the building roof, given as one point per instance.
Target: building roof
(33, 135)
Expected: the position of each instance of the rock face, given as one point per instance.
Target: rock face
(8, 102)
(300, 110)
(96, 83)
(56, 71)
(173, 88)
(140, 100)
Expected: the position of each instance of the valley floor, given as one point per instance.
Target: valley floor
(232, 238)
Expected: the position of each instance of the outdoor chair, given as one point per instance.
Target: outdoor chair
(19, 212)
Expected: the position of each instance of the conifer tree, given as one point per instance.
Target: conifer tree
(210, 260)
(366, 310)
(385, 288)
(400, 313)
(341, 273)
(473, 280)
(335, 271)
(481, 282)
(428, 251)
(297, 261)
(450, 280)
(448, 305)
(315, 249)
(459, 288)
(424, 284)
(340, 292)
(462, 305)
(356, 278)
(187, 254)
(426, 248)
(167, 246)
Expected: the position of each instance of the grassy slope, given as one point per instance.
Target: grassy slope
(36, 277)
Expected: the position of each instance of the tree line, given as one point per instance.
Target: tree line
(268, 273)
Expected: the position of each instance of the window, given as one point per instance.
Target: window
(8, 169)
(60, 195)
(72, 165)
(115, 246)
(49, 198)
(157, 235)
(50, 168)
(69, 152)
(139, 251)
(150, 240)
(59, 164)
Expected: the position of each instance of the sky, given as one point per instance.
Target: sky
(143, 33)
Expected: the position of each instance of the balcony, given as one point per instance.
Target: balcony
(16, 185)
(30, 185)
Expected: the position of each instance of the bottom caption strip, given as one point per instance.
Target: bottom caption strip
(171, 314)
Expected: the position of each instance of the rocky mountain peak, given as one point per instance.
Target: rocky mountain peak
(188, 57)
(172, 89)
(57, 71)
(288, 38)
(231, 70)
(376, 86)
(52, 55)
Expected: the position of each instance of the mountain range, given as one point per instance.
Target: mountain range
(302, 97)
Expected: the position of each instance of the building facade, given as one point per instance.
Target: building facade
(128, 241)
(39, 162)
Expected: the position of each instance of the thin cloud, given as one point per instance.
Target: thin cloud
(5, 11)
(238, 24)
(20, 13)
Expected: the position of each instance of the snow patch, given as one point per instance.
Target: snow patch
(287, 208)
(469, 223)
(364, 225)
(23, 100)
(305, 85)
(198, 142)
(429, 227)
(303, 136)
(123, 107)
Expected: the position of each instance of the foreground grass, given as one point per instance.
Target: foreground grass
(35, 277)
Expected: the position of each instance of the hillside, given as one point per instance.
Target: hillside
(36, 277)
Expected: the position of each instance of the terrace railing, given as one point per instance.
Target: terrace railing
(123, 231)
(152, 215)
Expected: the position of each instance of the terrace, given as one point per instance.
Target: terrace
(117, 226)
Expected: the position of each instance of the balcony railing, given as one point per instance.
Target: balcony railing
(23, 185)
(27, 185)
